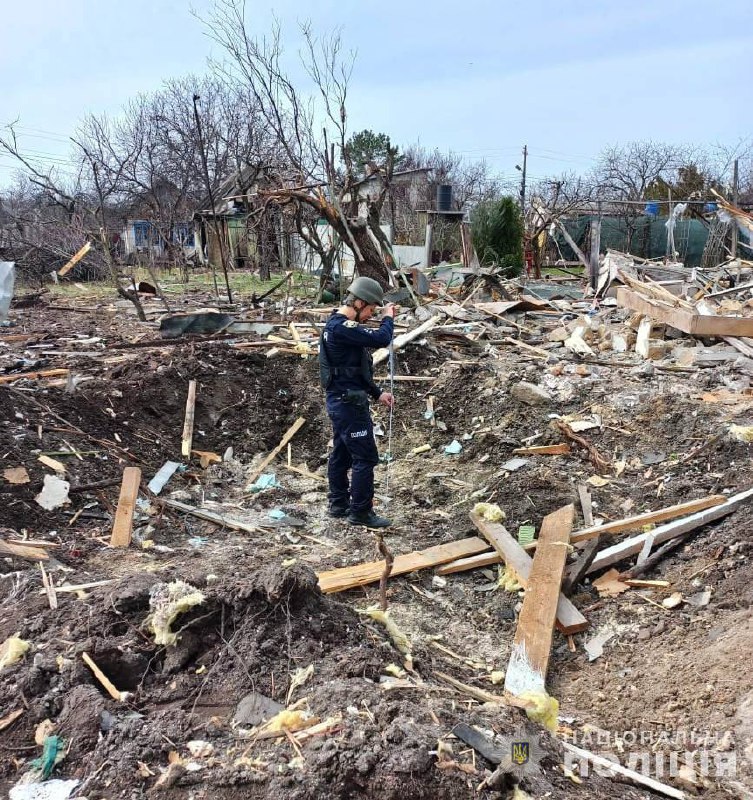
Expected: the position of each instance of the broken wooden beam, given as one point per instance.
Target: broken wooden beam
(187, 438)
(669, 531)
(543, 450)
(642, 567)
(404, 338)
(289, 434)
(683, 319)
(129, 491)
(338, 580)
(106, 683)
(532, 646)
(49, 588)
(209, 516)
(472, 691)
(9, 719)
(527, 347)
(75, 259)
(648, 517)
(569, 619)
(34, 375)
(578, 569)
(23, 551)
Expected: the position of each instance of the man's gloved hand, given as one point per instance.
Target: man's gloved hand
(389, 310)
(387, 399)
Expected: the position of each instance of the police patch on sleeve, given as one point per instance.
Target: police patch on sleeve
(351, 323)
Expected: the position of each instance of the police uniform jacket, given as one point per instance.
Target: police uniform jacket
(344, 357)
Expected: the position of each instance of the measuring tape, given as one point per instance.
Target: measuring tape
(389, 425)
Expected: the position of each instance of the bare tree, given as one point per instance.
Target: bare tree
(316, 170)
(85, 207)
(625, 173)
(553, 199)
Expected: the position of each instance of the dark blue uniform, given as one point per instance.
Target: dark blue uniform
(344, 355)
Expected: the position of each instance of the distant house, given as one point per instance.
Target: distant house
(141, 236)
(415, 199)
(250, 239)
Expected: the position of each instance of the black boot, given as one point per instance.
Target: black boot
(369, 519)
(337, 511)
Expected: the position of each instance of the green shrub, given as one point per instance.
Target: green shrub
(497, 234)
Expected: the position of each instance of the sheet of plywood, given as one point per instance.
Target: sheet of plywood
(529, 659)
(338, 580)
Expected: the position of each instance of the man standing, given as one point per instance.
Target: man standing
(347, 375)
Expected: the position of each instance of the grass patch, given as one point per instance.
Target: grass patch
(242, 284)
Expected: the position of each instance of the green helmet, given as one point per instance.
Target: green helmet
(368, 290)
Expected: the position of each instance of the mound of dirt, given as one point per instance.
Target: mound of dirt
(244, 642)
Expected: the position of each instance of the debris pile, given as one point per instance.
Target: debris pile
(571, 483)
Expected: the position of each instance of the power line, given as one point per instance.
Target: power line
(37, 133)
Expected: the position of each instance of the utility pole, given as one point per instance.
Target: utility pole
(595, 248)
(216, 225)
(523, 181)
(735, 190)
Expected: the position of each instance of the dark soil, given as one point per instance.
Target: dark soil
(263, 617)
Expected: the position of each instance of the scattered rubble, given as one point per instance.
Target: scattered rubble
(200, 624)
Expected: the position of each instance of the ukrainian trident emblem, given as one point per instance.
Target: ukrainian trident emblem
(521, 752)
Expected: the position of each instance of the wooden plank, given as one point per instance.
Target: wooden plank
(129, 491)
(23, 551)
(209, 516)
(573, 246)
(578, 569)
(639, 520)
(35, 375)
(108, 685)
(404, 338)
(618, 526)
(338, 580)
(472, 562)
(740, 345)
(543, 450)
(187, 438)
(669, 531)
(635, 777)
(76, 258)
(289, 434)
(80, 587)
(529, 659)
(529, 348)
(686, 321)
(569, 619)
(9, 719)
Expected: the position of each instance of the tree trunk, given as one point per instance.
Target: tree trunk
(370, 264)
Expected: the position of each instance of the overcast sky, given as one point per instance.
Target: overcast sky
(481, 78)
